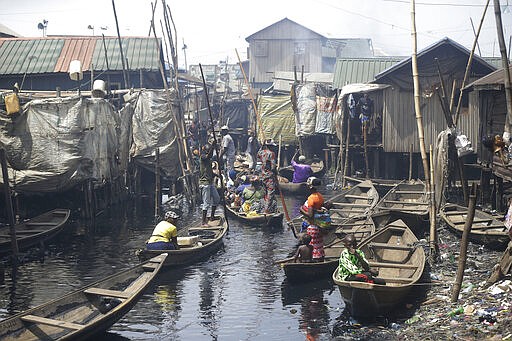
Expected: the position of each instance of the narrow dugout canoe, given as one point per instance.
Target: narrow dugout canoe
(359, 200)
(260, 220)
(361, 228)
(295, 189)
(407, 198)
(35, 230)
(395, 252)
(486, 229)
(86, 312)
(200, 244)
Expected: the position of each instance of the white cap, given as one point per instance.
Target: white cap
(224, 128)
(302, 158)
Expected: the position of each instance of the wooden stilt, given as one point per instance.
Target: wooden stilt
(365, 145)
(410, 161)
(158, 195)
(464, 248)
(347, 143)
(8, 203)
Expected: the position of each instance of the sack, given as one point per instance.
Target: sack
(12, 103)
(322, 220)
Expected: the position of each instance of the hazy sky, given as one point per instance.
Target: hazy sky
(213, 30)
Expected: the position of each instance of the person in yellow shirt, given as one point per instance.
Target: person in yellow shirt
(165, 234)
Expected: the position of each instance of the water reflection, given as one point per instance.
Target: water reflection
(237, 294)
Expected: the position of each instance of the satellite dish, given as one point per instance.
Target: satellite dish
(40, 26)
(90, 27)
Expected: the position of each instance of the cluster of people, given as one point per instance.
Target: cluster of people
(352, 265)
(252, 189)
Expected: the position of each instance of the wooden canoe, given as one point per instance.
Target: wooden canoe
(260, 220)
(209, 240)
(407, 198)
(486, 229)
(361, 228)
(316, 166)
(395, 252)
(294, 189)
(34, 231)
(86, 312)
(359, 200)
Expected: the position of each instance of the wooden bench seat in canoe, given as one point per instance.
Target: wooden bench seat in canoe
(409, 192)
(486, 227)
(52, 322)
(108, 292)
(405, 202)
(390, 246)
(396, 279)
(475, 221)
(150, 266)
(354, 196)
(41, 223)
(410, 209)
(205, 228)
(392, 265)
(348, 204)
(19, 233)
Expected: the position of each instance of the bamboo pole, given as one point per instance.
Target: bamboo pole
(417, 97)
(258, 119)
(347, 142)
(365, 145)
(8, 203)
(175, 125)
(506, 69)
(417, 107)
(125, 77)
(434, 245)
(410, 161)
(158, 196)
(464, 248)
(468, 66)
(216, 143)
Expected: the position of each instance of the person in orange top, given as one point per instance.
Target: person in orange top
(315, 199)
(314, 203)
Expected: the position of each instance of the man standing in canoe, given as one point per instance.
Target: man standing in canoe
(165, 234)
(227, 153)
(209, 194)
(301, 170)
(268, 175)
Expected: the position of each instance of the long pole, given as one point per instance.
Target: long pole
(506, 69)
(347, 142)
(125, 77)
(177, 132)
(419, 118)
(258, 119)
(281, 196)
(470, 60)
(464, 247)
(214, 138)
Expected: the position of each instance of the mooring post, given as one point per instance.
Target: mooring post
(464, 246)
(8, 203)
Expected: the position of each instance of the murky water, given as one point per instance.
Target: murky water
(237, 294)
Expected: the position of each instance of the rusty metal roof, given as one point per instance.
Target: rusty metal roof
(360, 70)
(53, 54)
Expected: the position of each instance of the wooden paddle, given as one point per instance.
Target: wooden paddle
(285, 209)
(216, 143)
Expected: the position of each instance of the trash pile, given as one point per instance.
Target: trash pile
(428, 313)
(479, 313)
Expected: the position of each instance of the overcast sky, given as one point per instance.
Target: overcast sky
(214, 29)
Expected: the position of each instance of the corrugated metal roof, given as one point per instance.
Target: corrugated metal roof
(495, 78)
(53, 54)
(477, 60)
(360, 70)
